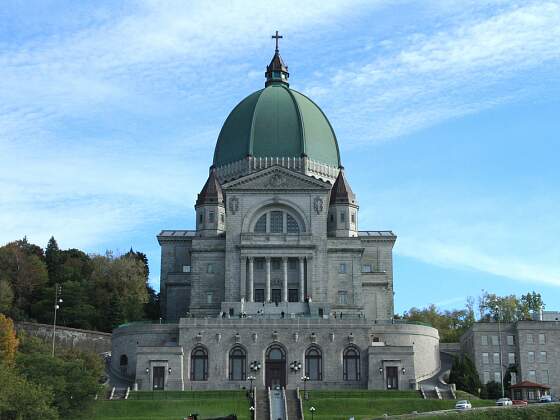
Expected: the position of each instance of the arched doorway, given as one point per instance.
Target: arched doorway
(275, 367)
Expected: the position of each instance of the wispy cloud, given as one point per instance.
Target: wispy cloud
(470, 64)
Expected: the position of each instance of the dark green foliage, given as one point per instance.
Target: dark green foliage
(98, 292)
(509, 308)
(72, 376)
(464, 375)
(491, 391)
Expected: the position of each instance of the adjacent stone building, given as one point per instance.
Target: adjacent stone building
(525, 350)
(276, 281)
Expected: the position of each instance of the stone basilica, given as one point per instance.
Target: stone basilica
(277, 282)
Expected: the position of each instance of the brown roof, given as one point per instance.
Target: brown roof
(211, 192)
(528, 384)
(341, 193)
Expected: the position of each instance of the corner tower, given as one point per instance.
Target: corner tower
(343, 209)
(210, 210)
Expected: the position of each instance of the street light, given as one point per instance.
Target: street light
(57, 302)
(312, 409)
(251, 378)
(305, 379)
(295, 366)
(252, 410)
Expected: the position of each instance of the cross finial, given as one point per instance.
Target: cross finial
(277, 37)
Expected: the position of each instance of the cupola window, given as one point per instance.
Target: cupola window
(277, 221)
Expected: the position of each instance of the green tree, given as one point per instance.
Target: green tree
(450, 324)
(6, 296)
(531, 303)
(464, 375)
(22, 400)
(53, 259)
(491, 391)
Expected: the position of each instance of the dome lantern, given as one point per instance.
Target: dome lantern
(277, 71)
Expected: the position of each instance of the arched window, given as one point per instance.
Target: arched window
(199, 364)
(277, 221)
(276, 354)
(314, 364)
(351, 364)
(237, 364)
(124, 360)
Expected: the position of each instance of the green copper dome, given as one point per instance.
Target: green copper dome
(277, 122)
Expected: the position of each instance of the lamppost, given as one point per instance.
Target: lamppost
(252, 410)
(57, 301)
(312, 409)
(500, 348)
(251, 378)
(295, 366)
(305, 379)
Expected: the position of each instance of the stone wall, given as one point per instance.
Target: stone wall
(95, 341)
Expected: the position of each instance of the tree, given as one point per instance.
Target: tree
(450, 324)
(53, 260)
(509, 308)
(6, 296)
(491, 391)
(8, 341)
(21, 399)
(531, 303)
(464, 375)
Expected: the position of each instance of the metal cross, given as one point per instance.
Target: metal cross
(277, 37)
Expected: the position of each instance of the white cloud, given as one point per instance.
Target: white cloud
(422, 79)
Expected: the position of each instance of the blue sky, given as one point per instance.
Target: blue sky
(447, 115)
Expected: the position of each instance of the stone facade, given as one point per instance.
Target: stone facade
(276, 275)
(532, 347)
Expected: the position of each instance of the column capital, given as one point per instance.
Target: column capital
(267, 259)
(251, 258)
(284, 259)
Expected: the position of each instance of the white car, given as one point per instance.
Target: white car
(463, 405)
(504, 402)
(545, 399)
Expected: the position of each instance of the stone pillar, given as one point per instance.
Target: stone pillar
(285, 284)
(301, 279)
(251, 286)
(267, 287)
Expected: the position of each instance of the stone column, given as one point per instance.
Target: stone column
(267, 287)
(285, 284)
(301, 279)
(250, 286)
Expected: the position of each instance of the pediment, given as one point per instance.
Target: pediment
(276, 178)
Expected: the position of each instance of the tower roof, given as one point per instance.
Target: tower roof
(341, 193)
(212, 192)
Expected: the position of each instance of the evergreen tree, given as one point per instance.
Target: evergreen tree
(53, 260)
(464, 375)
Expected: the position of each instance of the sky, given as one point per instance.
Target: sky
(447, 115)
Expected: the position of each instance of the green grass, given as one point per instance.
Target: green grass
(551, 412)
(171, 405)
(340, 405)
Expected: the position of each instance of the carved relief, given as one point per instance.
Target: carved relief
(276, 181)
(318, 205)
(233, 205)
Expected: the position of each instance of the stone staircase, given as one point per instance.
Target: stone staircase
(119, 394)
(263, 405)
(293, 405)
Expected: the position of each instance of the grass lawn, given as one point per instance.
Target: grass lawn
(174, 405)
(364, 405)
(551, 412)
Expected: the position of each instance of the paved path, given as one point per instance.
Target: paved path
(277, 405)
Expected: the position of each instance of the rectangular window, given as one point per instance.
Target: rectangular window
(497, 377)
(544, 377)
(259, 295)
(511, 358)
(201, 217)
(293, 295)
(529, 338)
(510, 340)
(513, 378)
(496, 358)
(342, 217)
(211, 217)
(209, 297)
(532, 376)
(276, 222)
(494, 340)
(222, 218)
(367, 268)
(486, 377)
(542, 339)
(484, 340)
(342, 297)
(531, 357)
(292, 264)
(543, 356)
(485, 358)
(186, 269)
(259, 264)
(342, 268)
(276, 264)
(210, 268)
(353, 218)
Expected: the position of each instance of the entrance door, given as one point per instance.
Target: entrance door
(276, 295)
(275, 365)
(392, 377)
(159, 378)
